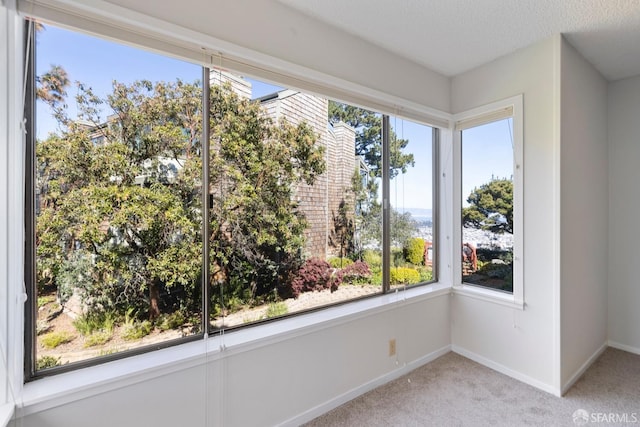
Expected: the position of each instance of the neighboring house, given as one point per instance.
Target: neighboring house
(320, 202)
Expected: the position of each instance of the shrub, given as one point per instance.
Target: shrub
(426, 274)
(373, 259)
(44, 300)
(486, 255)
(358, 272)
(45, 362)
(414, 251)
(397, 258)
(97, 338)
(171, 321)
(136, 330)
(376, 278)
(54, 339)
(340, 262)
(276, 309)
(94, 322)
(404, 276)
(314, 275)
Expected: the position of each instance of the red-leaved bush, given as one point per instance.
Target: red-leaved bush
(358, 272)
(315, 275)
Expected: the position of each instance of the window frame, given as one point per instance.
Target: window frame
(507, 108)
(30, 312)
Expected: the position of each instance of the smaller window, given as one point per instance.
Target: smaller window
(490, 152)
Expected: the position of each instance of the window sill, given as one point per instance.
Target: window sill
(484, 294)
(61, 389)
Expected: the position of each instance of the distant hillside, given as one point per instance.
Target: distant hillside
(419, 214)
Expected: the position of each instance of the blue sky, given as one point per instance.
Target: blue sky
(97, 62)
(487, 152)
(414, 188)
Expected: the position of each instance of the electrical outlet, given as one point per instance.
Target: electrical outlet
(392, 347)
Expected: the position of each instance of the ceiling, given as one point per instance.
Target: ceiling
(453, 36)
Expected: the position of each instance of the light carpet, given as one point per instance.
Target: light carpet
(455, 391)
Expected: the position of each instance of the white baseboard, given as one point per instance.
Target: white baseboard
(505, 370)
(353, 393)
(634, 350)
(576, 376)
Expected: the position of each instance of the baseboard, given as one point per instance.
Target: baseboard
(505, 370)
(576, 376)
(353, 393)
(628, 348)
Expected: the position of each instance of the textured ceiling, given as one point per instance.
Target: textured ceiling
(453, 36)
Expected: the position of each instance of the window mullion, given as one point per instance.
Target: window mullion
(386, 205)
(30, 203)
(206, 104)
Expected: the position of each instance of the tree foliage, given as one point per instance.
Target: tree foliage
(120, 203)
(368, 127)
(343, 233)
(491, 207)
(257, 234)
(108, 211)
(413, 250)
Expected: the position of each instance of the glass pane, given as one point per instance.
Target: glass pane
(118, 223)
(291, 227)
(411, 192)
(487, 205)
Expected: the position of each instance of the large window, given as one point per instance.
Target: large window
(143, 236)
(117, 195)
(490, 141)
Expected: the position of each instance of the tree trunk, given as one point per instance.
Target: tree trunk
(154, 297)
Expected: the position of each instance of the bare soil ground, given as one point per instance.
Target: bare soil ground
(78, 349)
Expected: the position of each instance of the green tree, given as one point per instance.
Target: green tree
(113, 207)
(343, 233)
(120, 203)
(491, 207)
(368, 127)
(413, 250)
(257, 233)
(402, 227)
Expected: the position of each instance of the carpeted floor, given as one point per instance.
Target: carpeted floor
(455, 391)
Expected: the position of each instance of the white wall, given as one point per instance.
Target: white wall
(290, 380)
(624, 211)
(584, 214)
(11, 202)
(3, 213)
(259, 31)
(276, 30)
(522, 343)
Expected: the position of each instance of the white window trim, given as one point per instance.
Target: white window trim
(50, 392)
(66, 387)
(11, 216)
(510, 107)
